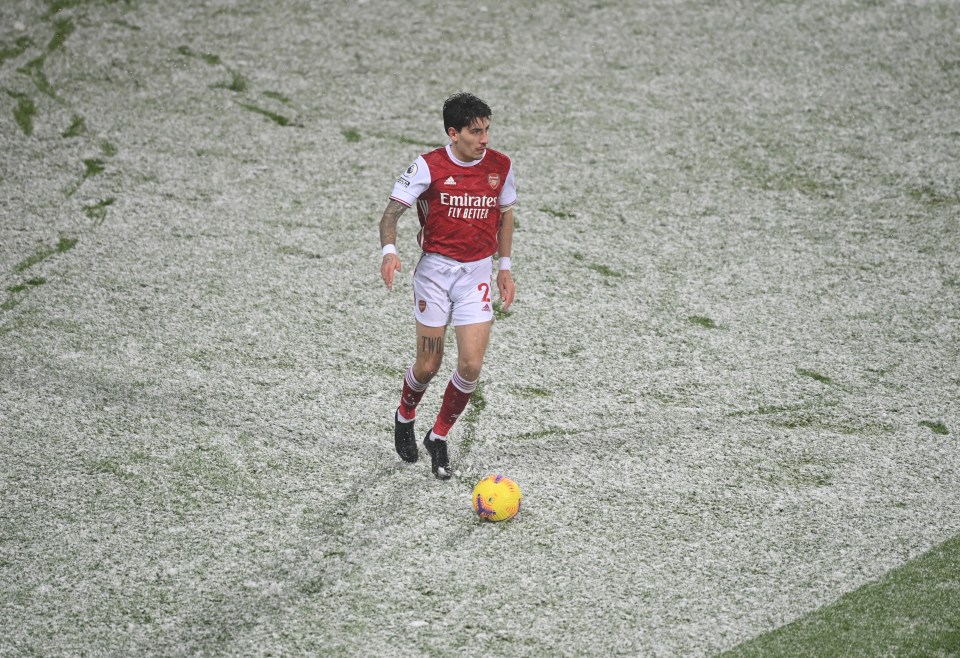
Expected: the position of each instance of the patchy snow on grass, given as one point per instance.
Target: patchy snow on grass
(727, 387)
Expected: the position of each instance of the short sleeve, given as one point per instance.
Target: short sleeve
(508, 193)
(412, 183)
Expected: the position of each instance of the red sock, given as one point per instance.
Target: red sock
(455, 400)
(410, 396)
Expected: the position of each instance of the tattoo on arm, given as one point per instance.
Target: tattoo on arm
(388, 223)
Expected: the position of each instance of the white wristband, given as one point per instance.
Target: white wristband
(388, 249)
(504, 263)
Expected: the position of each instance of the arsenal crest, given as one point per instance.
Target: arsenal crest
(494, 180)
(422, 305)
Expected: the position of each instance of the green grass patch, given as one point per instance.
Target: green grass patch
(287, 250)
(313, 586)
(931, 196)
(603, 270)
(816, 376)
(105, 466)
(238, 84)
(767, 409)
(935, 427)
(97, 212)
(39, 255)
(23, 114)
(390, 373)
(573, 351)
(470, 418)
(209, 58)
(62, 28)
(278, 119)
(548, 432)
(9, 303)
(913, 610)
(498, 311)
(18, 48)
(351, 135)
(532, 392)
(34, 70)
(702, 321)
(92, 167)
(477, 404)
(863, 428)
(43, 252)
(26, 285)
(123, 23)
(277, 96)
(78, 126)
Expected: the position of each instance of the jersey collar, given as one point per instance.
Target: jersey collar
(460, 162)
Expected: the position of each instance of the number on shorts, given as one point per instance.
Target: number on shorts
(485, 289)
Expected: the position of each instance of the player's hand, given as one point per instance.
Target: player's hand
(507, 288)
(390, 264)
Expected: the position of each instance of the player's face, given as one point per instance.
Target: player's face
(470, 143)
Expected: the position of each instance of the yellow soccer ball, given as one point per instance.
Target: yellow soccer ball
(496, 498)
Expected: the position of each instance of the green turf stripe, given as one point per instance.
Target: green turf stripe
(912, 611)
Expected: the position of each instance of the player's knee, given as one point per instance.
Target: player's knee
(470, 369)
(427, 368)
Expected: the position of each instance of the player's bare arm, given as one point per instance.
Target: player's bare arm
(388, 235)
(505, 284)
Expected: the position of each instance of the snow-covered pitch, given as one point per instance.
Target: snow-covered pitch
(728, 387)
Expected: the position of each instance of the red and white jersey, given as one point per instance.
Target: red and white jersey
(458, 203)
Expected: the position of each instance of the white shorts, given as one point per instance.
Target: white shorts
(446, 291)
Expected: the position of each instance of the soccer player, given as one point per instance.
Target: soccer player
(464, 193)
